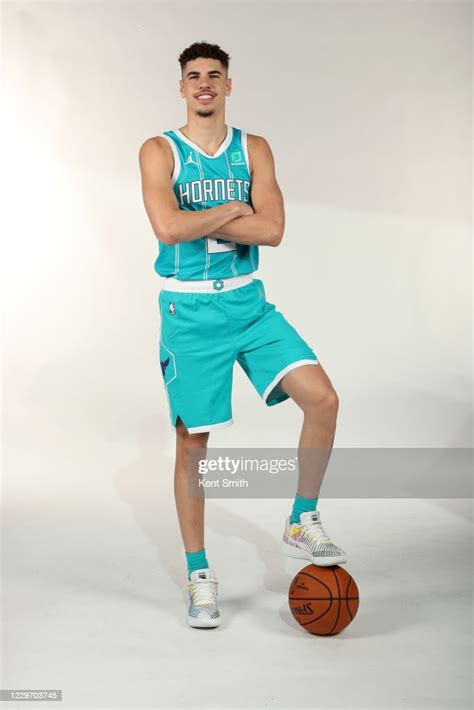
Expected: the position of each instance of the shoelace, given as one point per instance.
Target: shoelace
(316, 531)
(203, 591)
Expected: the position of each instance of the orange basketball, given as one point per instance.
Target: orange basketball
(323, 600)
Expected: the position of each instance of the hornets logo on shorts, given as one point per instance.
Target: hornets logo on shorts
(164, 364)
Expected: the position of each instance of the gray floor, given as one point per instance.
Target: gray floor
(93, 566)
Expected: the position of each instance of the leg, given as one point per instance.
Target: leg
(190, 508)
(203, 611)
(311, 389)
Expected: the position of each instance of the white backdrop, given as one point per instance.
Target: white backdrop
(367, 107)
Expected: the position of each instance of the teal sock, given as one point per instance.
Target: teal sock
(196, 560)
(302, 505)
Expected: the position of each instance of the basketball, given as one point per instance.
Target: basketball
(323, 600)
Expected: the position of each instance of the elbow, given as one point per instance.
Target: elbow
(166, 235)
(276, 235)
(167, 238)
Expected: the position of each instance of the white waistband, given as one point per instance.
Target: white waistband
(169, 283)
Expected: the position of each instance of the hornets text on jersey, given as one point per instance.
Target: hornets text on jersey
(201, 181)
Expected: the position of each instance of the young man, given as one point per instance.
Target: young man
(212, 198)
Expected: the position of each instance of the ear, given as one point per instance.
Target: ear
(228, 87)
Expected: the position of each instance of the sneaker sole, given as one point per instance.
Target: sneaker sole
(291, 551)
(203, 623)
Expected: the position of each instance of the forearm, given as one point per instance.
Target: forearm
(189, 225)
(251, 229)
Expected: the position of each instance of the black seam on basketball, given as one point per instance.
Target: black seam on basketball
(320, 599)
(348, 597)
(318, 617)
(352, 581)
(338, 606)
(318, 580)
(326, 599)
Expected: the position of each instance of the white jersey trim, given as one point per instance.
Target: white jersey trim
(245, 149)
(177, 161)
(223, 146)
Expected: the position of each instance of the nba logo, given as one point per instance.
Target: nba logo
(172, 308)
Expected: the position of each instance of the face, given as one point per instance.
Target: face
(204, 86)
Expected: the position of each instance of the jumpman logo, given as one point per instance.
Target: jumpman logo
(189, 159)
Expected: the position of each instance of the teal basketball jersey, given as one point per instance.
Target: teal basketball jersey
(201, 181)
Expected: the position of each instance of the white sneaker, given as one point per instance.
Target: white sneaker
(202, 589)
(307, 540)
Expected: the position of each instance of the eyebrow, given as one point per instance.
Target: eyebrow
(212, 71)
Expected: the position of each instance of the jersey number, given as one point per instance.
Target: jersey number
(214, 245)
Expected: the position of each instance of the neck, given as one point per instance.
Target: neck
(208, 132)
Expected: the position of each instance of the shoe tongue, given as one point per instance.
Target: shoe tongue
(309, 517)
(202, 574)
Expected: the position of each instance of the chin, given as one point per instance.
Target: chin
(209, 112)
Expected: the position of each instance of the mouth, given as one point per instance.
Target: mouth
(205, 97)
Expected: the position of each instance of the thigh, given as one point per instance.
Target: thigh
(270, 348)
(308, 386)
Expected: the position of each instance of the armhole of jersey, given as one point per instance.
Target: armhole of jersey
(243, 140)
(177, 161)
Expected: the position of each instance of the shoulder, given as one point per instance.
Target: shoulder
(156, 149)
(258, 149)
(257, 143)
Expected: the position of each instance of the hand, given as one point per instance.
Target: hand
(245, 209)
(235, 209)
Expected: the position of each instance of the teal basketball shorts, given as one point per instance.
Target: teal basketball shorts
(202, 334)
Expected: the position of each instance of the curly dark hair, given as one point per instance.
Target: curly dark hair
(204, 49)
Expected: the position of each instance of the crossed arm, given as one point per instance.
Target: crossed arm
(229, 221)
(267, 224)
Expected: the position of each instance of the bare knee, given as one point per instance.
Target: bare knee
(321, 401)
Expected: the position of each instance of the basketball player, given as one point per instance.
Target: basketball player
(212, 198)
